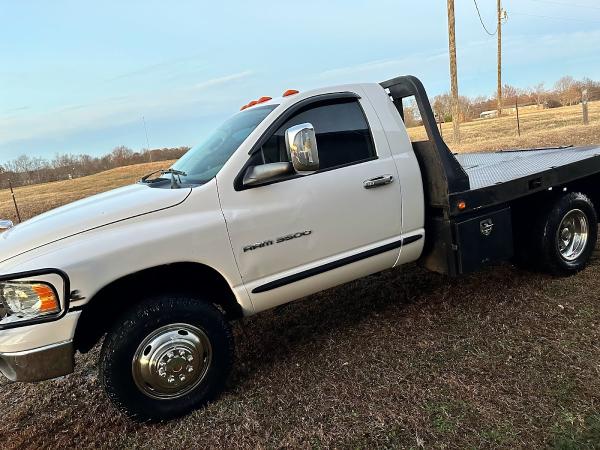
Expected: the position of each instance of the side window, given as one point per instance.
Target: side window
(343, 135)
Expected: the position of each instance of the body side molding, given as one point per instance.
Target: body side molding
(335, 264)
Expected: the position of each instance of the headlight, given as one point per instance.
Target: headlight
(22, 301)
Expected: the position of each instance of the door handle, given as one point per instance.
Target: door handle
(378, 181)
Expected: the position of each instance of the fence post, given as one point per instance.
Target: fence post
(518, 120)
(584, 105)
(12, 193)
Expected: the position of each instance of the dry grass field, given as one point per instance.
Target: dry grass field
(539, 128)
(402, 359)
(36, 199)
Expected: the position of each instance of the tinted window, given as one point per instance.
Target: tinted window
(343, 136)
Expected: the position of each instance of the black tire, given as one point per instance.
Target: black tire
(547, 235)
(145, 318)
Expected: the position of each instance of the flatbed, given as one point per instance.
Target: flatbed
(465, 189)
(489, 169)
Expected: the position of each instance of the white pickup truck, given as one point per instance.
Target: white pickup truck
(290, 196)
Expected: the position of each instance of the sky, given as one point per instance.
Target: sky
(83, 76)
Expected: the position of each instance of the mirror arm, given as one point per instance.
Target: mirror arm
(266, 172)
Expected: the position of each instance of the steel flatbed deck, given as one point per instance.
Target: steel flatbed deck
(489, 169)
(503, 176)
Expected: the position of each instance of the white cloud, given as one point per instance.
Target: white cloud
(112, 111)
(223, 80)
(379, 65)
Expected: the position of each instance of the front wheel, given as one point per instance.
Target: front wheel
(167, 356)
(567, 234)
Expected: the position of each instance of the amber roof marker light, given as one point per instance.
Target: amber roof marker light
(266, 98)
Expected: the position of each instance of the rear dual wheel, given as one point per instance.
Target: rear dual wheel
(564, 237)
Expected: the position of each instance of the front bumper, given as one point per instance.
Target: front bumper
(40, 363)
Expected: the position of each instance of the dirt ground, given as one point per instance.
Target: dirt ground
(402, 359)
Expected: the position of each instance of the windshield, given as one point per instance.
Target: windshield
(202, 162)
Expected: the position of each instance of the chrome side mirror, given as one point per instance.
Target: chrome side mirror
(5, 225)
(265, 172)
(301, 144)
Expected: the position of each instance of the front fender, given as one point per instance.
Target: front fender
(193, 231)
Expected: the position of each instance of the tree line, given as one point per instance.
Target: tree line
(566, 92)
(27, 170)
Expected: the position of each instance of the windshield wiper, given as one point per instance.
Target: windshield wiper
(144, 179)
(175, 182)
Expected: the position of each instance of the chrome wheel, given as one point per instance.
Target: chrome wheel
(171, 361)
(572, 235)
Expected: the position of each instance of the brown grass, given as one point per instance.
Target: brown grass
(402, 359)
(539, 128)
(36, 199)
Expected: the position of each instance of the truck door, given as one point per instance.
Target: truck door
(302, 234)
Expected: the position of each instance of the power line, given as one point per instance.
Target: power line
(481, 20)
(556, 18)
(566, 4)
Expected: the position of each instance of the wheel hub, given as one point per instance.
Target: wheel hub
(171, 361)
(573, 235)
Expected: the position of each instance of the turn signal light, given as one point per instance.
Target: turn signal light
(461, 205)
(290, 92)
(48, 303)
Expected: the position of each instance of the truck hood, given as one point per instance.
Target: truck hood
(86, 215)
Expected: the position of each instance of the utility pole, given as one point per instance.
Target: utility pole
(499, 58)
(147, 141)
(453, 72)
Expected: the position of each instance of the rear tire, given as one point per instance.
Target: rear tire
(165, 357)
(566, 235)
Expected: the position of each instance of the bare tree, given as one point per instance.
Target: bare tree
(567, 91)
(442, 106)
(539, 93)
(121, 155)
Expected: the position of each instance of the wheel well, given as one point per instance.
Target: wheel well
(527, 210)
(524, 207)
(98, 314)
